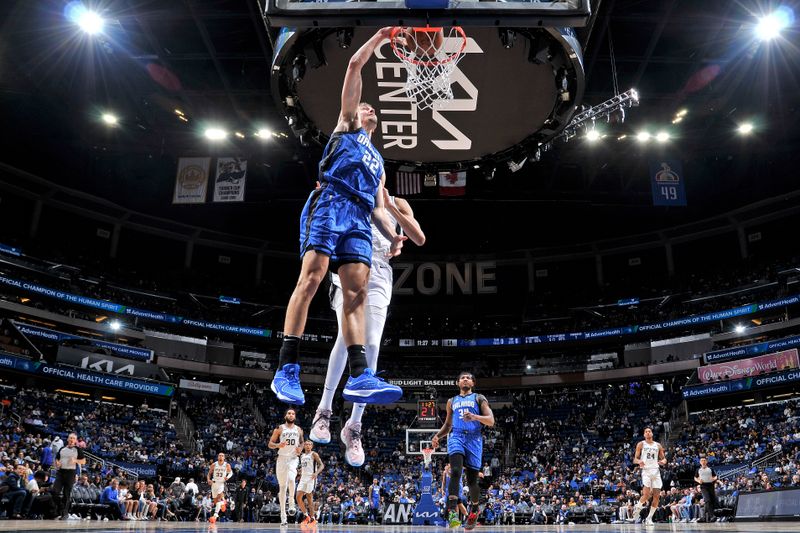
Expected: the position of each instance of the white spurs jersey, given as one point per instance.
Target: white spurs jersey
(219, 472)
(380, 244)
(650, 455)
(307, 464)
(291, 436)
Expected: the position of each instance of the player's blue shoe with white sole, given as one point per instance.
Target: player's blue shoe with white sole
(286, 385)
(369, 388)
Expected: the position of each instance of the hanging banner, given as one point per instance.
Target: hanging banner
(666, 176)
(192, 180)
(230, 181)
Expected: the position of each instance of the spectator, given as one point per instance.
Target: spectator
(16, 494)
(110, 497)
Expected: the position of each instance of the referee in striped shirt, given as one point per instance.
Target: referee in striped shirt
(67, 459)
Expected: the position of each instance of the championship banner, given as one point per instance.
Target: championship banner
(85, 377)
(668, 183)
(743, 368)
(230, 179)
(192, 180)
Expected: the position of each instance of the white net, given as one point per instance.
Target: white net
(430, 56)
(427, 455)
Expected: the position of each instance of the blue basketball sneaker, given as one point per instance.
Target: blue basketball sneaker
(369, 388)
(286, 385)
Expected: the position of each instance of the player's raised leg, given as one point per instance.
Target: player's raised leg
(286, 383)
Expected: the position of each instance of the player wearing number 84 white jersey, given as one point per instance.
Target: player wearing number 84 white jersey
(288, 440)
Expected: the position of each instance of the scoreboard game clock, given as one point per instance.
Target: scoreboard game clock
(426, 413)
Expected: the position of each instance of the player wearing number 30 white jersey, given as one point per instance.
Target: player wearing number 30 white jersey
(649, 456)
(288, 440)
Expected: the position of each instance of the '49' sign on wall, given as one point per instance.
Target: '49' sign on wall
(431, 279)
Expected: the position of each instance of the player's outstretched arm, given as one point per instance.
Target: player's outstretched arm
(446, 427)
(351, 89)
(662, 457)
(404, 215)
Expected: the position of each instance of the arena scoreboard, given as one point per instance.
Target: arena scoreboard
(426, 413)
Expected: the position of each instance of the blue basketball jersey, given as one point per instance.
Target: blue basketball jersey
(352, 164)
(375, 497)
(460, 405)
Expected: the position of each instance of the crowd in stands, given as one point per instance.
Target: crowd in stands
(558, 456)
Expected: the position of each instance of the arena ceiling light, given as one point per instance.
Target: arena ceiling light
(264, 133)
(662, 136)
(215, 134)
(110, 119)
(643, 136)
(739, 328)
(115, 325)
(592, 135)
(87, 20)
(745, 128)
(770, 26)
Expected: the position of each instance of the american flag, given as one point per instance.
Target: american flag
(408, 183)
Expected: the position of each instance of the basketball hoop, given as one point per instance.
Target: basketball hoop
(430, 55)
(427, 455)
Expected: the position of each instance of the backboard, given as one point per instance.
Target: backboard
(417, 439)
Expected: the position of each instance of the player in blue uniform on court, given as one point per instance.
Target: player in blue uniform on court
(335, 234)
(466, 413)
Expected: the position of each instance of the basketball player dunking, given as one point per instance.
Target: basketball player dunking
(310, 467)
(335, 234)
(379, 294)
(288, 440)
(649, 456)
(466, 413)
(218, 474)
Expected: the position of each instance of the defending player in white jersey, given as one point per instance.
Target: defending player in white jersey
(379, 293)
(310, 467)
(218, 474)
(649, 456)
(288, 440)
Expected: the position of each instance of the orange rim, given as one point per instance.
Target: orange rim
(428, 29)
